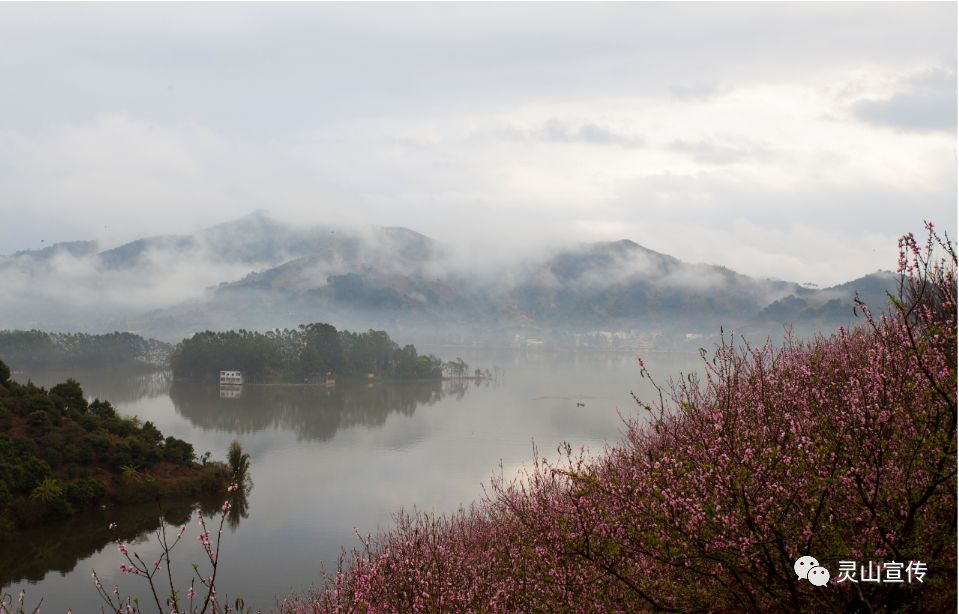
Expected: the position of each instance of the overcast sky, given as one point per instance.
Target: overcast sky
(788, 140)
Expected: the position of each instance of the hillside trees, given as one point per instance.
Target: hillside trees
(60, 453)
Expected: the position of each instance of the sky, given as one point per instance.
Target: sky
(794, 141)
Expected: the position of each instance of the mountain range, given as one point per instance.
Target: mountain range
(259, 273)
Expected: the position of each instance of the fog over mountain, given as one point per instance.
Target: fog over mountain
(257, 272)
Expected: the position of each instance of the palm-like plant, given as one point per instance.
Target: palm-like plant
(47, 491)
(239, 464)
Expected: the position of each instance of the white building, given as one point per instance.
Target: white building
(234, 378)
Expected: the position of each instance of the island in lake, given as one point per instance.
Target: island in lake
(61, 454)
(310, 353)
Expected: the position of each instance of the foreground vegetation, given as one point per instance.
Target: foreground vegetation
(305, 353)
(60, 454)
(842, 447)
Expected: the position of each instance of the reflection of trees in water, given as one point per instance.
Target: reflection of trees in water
(118, 386)
(59, 547)
(239, 506)
(458, 388)
(313, 412)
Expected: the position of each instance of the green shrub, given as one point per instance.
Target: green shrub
(40, 422)
(178, 451)
(99, 444)
(102, 409)
(150, 434)
(80, 493)
(69, 396)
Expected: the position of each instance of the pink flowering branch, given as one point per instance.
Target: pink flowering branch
(842, 447)
(173, 602)
(9, 606)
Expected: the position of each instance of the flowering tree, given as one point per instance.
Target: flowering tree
(841, 447)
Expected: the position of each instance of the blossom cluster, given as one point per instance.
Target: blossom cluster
(842, 445)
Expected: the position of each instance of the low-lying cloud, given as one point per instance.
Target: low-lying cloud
(923, 102)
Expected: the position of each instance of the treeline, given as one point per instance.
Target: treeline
(308, 352)
(60, 454)
(33, 349)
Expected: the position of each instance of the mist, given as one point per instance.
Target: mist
(536, 127)
(260, 273)
(376, 250)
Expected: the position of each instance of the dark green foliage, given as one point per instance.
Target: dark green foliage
(84, 491)
(178, 451)
(76, 454)
(37, 400)
(4, 373)
(40, 422)
(308, 353)
(27, 349)
(102, 409)
(98, 444)
(150, 434)
(239, 463)
(321, 353)
(47, 490)
(20, 468)
(69, 396)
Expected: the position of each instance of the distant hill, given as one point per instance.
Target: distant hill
(260, 273)
(831, 304)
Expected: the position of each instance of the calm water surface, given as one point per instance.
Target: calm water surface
(326, 462)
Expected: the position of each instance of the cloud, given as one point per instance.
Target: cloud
(69, 292)
(558, 131)
(724, 151)
(499, 129)
(923, 102)
(694, 91)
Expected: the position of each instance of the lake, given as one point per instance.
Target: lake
(328, 461)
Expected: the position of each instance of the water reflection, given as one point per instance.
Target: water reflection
(119, 386)
(313, 412)
(239, 506)
(59, 547)
(390, 446)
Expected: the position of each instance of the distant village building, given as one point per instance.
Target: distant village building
(231, 378)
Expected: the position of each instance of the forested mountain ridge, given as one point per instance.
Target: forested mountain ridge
(259, 273)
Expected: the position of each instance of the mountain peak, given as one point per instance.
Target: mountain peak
(74, 248)
(626, 247)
